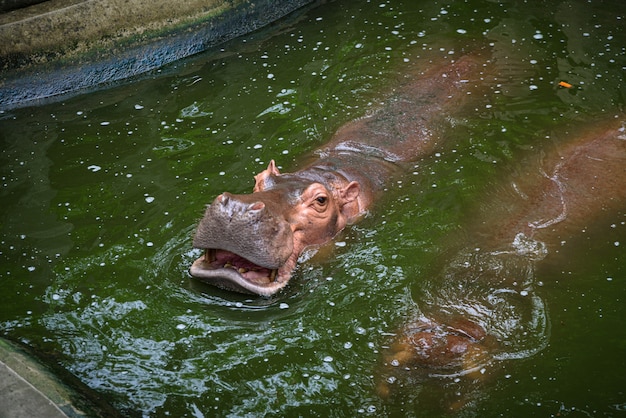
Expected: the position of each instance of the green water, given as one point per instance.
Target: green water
(100, 195)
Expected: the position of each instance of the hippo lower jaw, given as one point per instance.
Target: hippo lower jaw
(230, 271)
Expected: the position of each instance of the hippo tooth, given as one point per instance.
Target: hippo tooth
(273, 274)
(210, 255)
(242, 270)
(227, 265)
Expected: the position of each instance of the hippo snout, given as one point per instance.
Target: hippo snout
(251, 226)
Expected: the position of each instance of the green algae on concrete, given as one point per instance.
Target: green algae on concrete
(64, 46)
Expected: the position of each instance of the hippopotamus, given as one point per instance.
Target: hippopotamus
(252, 242)
(483, 305)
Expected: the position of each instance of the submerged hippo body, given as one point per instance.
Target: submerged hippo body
(252, 242)
(483, 305)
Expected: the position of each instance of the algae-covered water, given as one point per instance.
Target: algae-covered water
(101, 193)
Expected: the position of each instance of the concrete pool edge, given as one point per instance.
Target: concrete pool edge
(40, 73)
(30, 388)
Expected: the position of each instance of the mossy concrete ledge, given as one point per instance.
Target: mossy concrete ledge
(58, 47)
(28, 388)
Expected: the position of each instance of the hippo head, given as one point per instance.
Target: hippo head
(252, 242)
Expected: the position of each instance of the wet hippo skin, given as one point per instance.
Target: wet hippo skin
(252, 242)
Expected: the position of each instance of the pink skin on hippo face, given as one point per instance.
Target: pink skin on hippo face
(252, 242)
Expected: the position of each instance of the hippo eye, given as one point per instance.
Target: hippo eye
(321, 200)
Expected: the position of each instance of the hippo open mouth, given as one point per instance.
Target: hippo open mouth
(230, 271)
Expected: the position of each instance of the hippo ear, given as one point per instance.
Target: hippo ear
(350, 207)
(350, 192)
(261, 179)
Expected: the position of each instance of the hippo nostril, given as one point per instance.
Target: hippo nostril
(257, 206)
